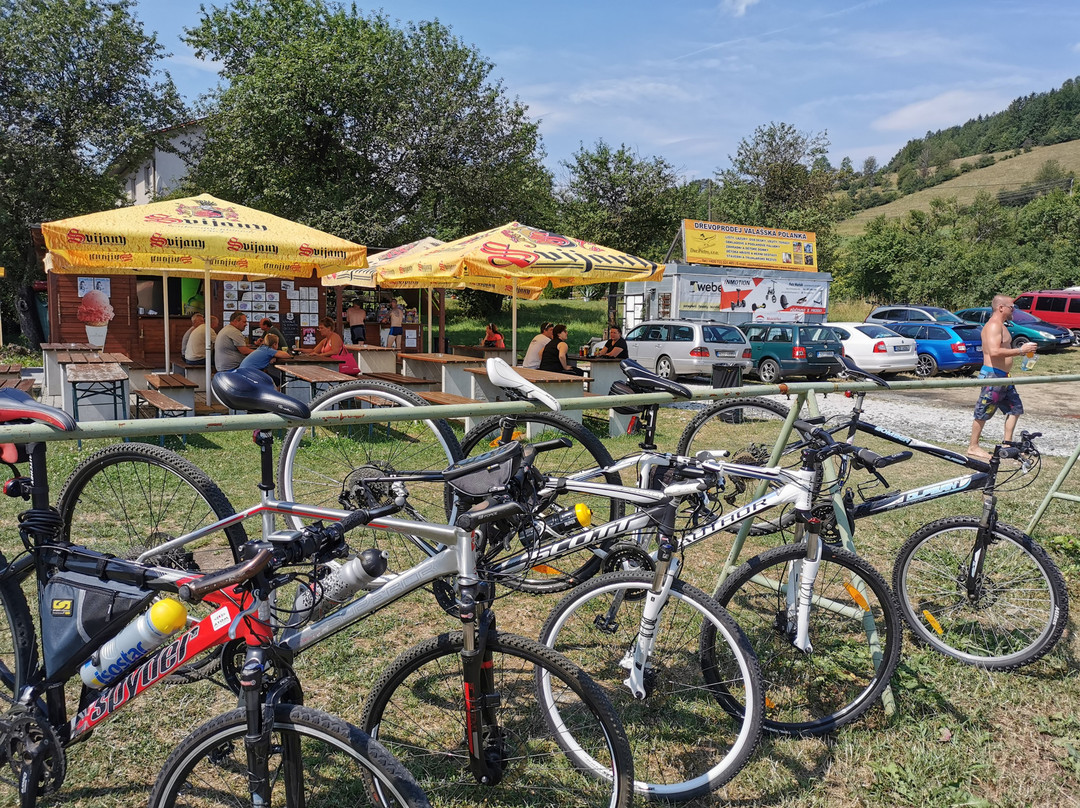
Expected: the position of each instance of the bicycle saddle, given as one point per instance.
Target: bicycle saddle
(643, 380)
(253, 390)
(853, 371)
(16, 406)
(502, 375)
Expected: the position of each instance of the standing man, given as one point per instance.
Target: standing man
(396, 339)
(355, 316)
(231, 346)
(615, 347)
(997, 361)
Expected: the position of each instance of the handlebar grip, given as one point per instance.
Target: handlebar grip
(893, 458)
(470, 520)
(550, 445)
(358, 518)
(196, 590)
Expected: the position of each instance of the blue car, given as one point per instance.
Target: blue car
(943, 347)
(1024, 327)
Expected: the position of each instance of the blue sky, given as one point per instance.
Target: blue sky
(687, 81)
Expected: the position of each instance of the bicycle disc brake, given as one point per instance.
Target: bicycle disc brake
(364, 488)
(29, 744)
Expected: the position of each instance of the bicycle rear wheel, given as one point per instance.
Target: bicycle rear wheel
(1019, 607)
(817, 692)
(18, 648)
(748, 429)
(686, 741)
(585, 452)
(570, 751)
(316, 760)
(335, 466)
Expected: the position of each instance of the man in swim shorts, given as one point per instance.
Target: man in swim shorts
(998, 357)
(396, 337)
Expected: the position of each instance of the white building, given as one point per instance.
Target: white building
(161, 172)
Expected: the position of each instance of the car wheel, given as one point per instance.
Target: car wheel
(1076, 336)
(768, 371)
(1018, 341)
(665, 367)
(926, 366)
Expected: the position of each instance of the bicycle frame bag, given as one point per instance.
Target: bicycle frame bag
(485, 474)
(80, 613)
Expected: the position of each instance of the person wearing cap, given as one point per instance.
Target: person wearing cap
(536, 347)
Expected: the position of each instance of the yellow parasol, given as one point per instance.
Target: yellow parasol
(513, 259)
(196, 236)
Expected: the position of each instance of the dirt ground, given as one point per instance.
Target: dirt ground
(1058, 400)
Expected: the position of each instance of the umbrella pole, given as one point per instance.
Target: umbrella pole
(165, 294)
(513, 327)
(207, 299)
(429, 334)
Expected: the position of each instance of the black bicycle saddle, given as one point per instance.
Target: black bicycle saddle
(643, 380)
(16, 406)
(254, 391)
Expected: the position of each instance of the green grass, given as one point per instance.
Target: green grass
(584, 319)
(959, 737)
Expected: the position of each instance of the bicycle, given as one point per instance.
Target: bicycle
(539, 722)
(271, 747)
(972, 587)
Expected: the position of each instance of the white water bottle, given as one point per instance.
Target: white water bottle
(340, 584)
(145, 633)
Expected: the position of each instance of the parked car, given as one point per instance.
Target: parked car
(792, 349)
(1055, 307)
(944, 347)
(877, 349)
(1024, 327)
(911, 314)
(678, 347)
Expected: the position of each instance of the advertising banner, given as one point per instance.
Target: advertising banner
(765, 299)
(736, 245)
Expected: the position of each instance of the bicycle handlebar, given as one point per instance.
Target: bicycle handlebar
(196, 590)
(470, 520)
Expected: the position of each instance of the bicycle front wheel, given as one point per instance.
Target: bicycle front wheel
(347, 466)
(585, 453)
(749, 429)
(853, 628)
(1010, 616)
(570, 751)
(315, 760)
(18, 648)
(686, 741)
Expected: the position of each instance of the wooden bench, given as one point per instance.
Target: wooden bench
(435, 397)
(404, 381)
(196, 371)
(162, 406)
(10, 370)
(26, 385)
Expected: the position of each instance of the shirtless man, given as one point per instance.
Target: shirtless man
(396, 338)
(997, 361)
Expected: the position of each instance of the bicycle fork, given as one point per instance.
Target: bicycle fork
(800, 589)
(973, 581)
(484, 737)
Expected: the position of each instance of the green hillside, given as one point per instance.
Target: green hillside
(1007, 174)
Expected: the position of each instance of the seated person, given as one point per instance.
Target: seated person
(536, 347)
(615, 347)
(492, 337)
(331, 345)
(263, 356)
(231, 346)
(553, 357)
(268, 327)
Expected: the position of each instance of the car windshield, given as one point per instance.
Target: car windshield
(1021, 317)
(941, 315)
(876, 331)
(721, 333)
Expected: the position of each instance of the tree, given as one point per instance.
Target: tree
(869, 170)
(616, 198)
(376, 133)
(79, 88)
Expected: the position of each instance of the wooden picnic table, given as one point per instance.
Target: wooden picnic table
(176, 386)
(96, 391)
(506, 354)
(311, 376)
(54, 377)
(10, 370)
(374, 358)
(445, 370)
(560, 385)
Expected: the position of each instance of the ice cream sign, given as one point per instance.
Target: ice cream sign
(96, 311)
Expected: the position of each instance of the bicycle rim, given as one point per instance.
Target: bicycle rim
(686, 741)
(814, 693)
(570, 753)
(18, 649)
(1016, 613)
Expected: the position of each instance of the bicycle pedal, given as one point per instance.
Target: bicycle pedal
(605, 625)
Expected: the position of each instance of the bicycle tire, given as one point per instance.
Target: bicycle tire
(571, 751)
(1022, 606)
(210, 765)
(804, 693)
(708, 744)
(748, 429)
(328, 465)
(18, 644)
(587, 451)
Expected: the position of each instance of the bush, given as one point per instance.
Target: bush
(484, 305)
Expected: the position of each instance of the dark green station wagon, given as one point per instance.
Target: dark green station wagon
(792, 349)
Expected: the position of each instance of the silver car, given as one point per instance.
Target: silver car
(883, 315)
(687, 347)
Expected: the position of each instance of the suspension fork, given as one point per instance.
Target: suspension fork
(483, 734)
(800, 588)
(983, 537)
(260, 720)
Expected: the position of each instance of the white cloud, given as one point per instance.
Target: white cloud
(946, 109)
(633, 90)
(1076, 48)
(737, 8)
